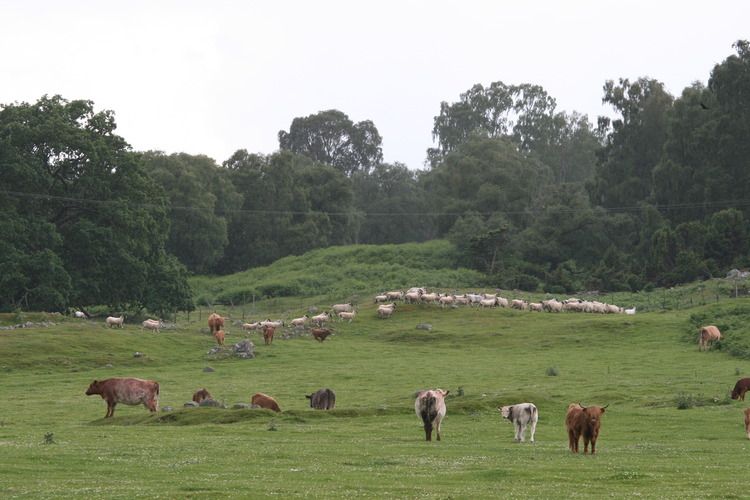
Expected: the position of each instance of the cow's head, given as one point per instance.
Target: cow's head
(594, 413)
(93, 388)
(505, 410)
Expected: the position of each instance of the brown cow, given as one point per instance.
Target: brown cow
(321, 335)
(265, 401)
(747, 422)
(583, 421)
(430, 407)
(268, 335)
(201, 395)
(740, 388)
(126, 390)
(215, 322)
(219, 336)
(707, 336)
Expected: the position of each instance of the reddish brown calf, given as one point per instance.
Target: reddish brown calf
(265, 401)
(583, 421)
(268, 335)
(201, 395)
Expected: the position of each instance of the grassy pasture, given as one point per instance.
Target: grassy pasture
(55, 443)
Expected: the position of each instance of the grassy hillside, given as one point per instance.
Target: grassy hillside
(646, 366)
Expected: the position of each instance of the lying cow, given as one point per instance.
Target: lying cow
(522, 415)
(201, 395)
(265, 401)
(321, 334)
(707, 336)
(126, 390)
(740, 388)
(583, 421)
(323, 399)
(430, 408)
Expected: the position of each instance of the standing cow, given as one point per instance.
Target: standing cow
(430, 408)
(215, 322)
(323, 399)
(268, 334)
(707, 336)
(747, 422)
(126, 390)
(583, 421)
(522, 415)
(740, 388)
(265, 401)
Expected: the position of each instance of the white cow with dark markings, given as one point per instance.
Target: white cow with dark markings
(522, 415)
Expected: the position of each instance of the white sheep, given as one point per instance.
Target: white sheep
(271, 324)
(447, 300)
(630, 311)
(347, 315)
(151, 324)
(252, 326)
(299, 321)
(385, 311)
(111, 320)
(320, 319)
(342, 308)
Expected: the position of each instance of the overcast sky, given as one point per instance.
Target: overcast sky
(212, 77)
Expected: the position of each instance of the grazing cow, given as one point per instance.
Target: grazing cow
(111, 320)
(201, 395)
(740, 388)
(323, 399)
(321, 334)
(265, 401)
(707, 336)
(268, 335)
(583, 421)
(430, 407)
(521, 415)
(747, 422)
(126, 390)
(215, 322)
(219, 336)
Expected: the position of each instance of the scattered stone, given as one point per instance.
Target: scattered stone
(108, 365)
(167, 408)
(238, 406)
(189, 404)
(424, 327)
(255, 407)
(209, 402)
(138, 355)
(208, 369)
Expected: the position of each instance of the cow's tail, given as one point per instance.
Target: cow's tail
(156, 398)
(428, 413)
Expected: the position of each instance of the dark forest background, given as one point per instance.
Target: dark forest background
(532, 197)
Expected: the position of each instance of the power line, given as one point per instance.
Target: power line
(640, 208)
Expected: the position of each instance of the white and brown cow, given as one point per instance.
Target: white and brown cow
(126, 390)
(522, 415)
(430, 408)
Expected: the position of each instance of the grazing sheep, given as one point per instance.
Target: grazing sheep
(342, 307)
(271, 324)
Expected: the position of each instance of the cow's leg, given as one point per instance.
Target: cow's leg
(110, 410)
(438, 429)
(572, 442)
(522, 435)
(593, 446)
(533, 429)
(585, 444)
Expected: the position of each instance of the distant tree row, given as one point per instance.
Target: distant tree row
(532, 197)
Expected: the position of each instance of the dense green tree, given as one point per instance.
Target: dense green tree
(484, 175)
(331, 137)
(393, 205)
(202, 201)
(95, 224)
(634, 142)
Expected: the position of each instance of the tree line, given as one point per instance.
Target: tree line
(534, 198)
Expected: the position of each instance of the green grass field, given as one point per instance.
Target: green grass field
(55, 443)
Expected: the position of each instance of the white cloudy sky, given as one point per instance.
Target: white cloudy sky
(212, 77)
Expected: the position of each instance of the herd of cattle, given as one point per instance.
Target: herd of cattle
(581, 422)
